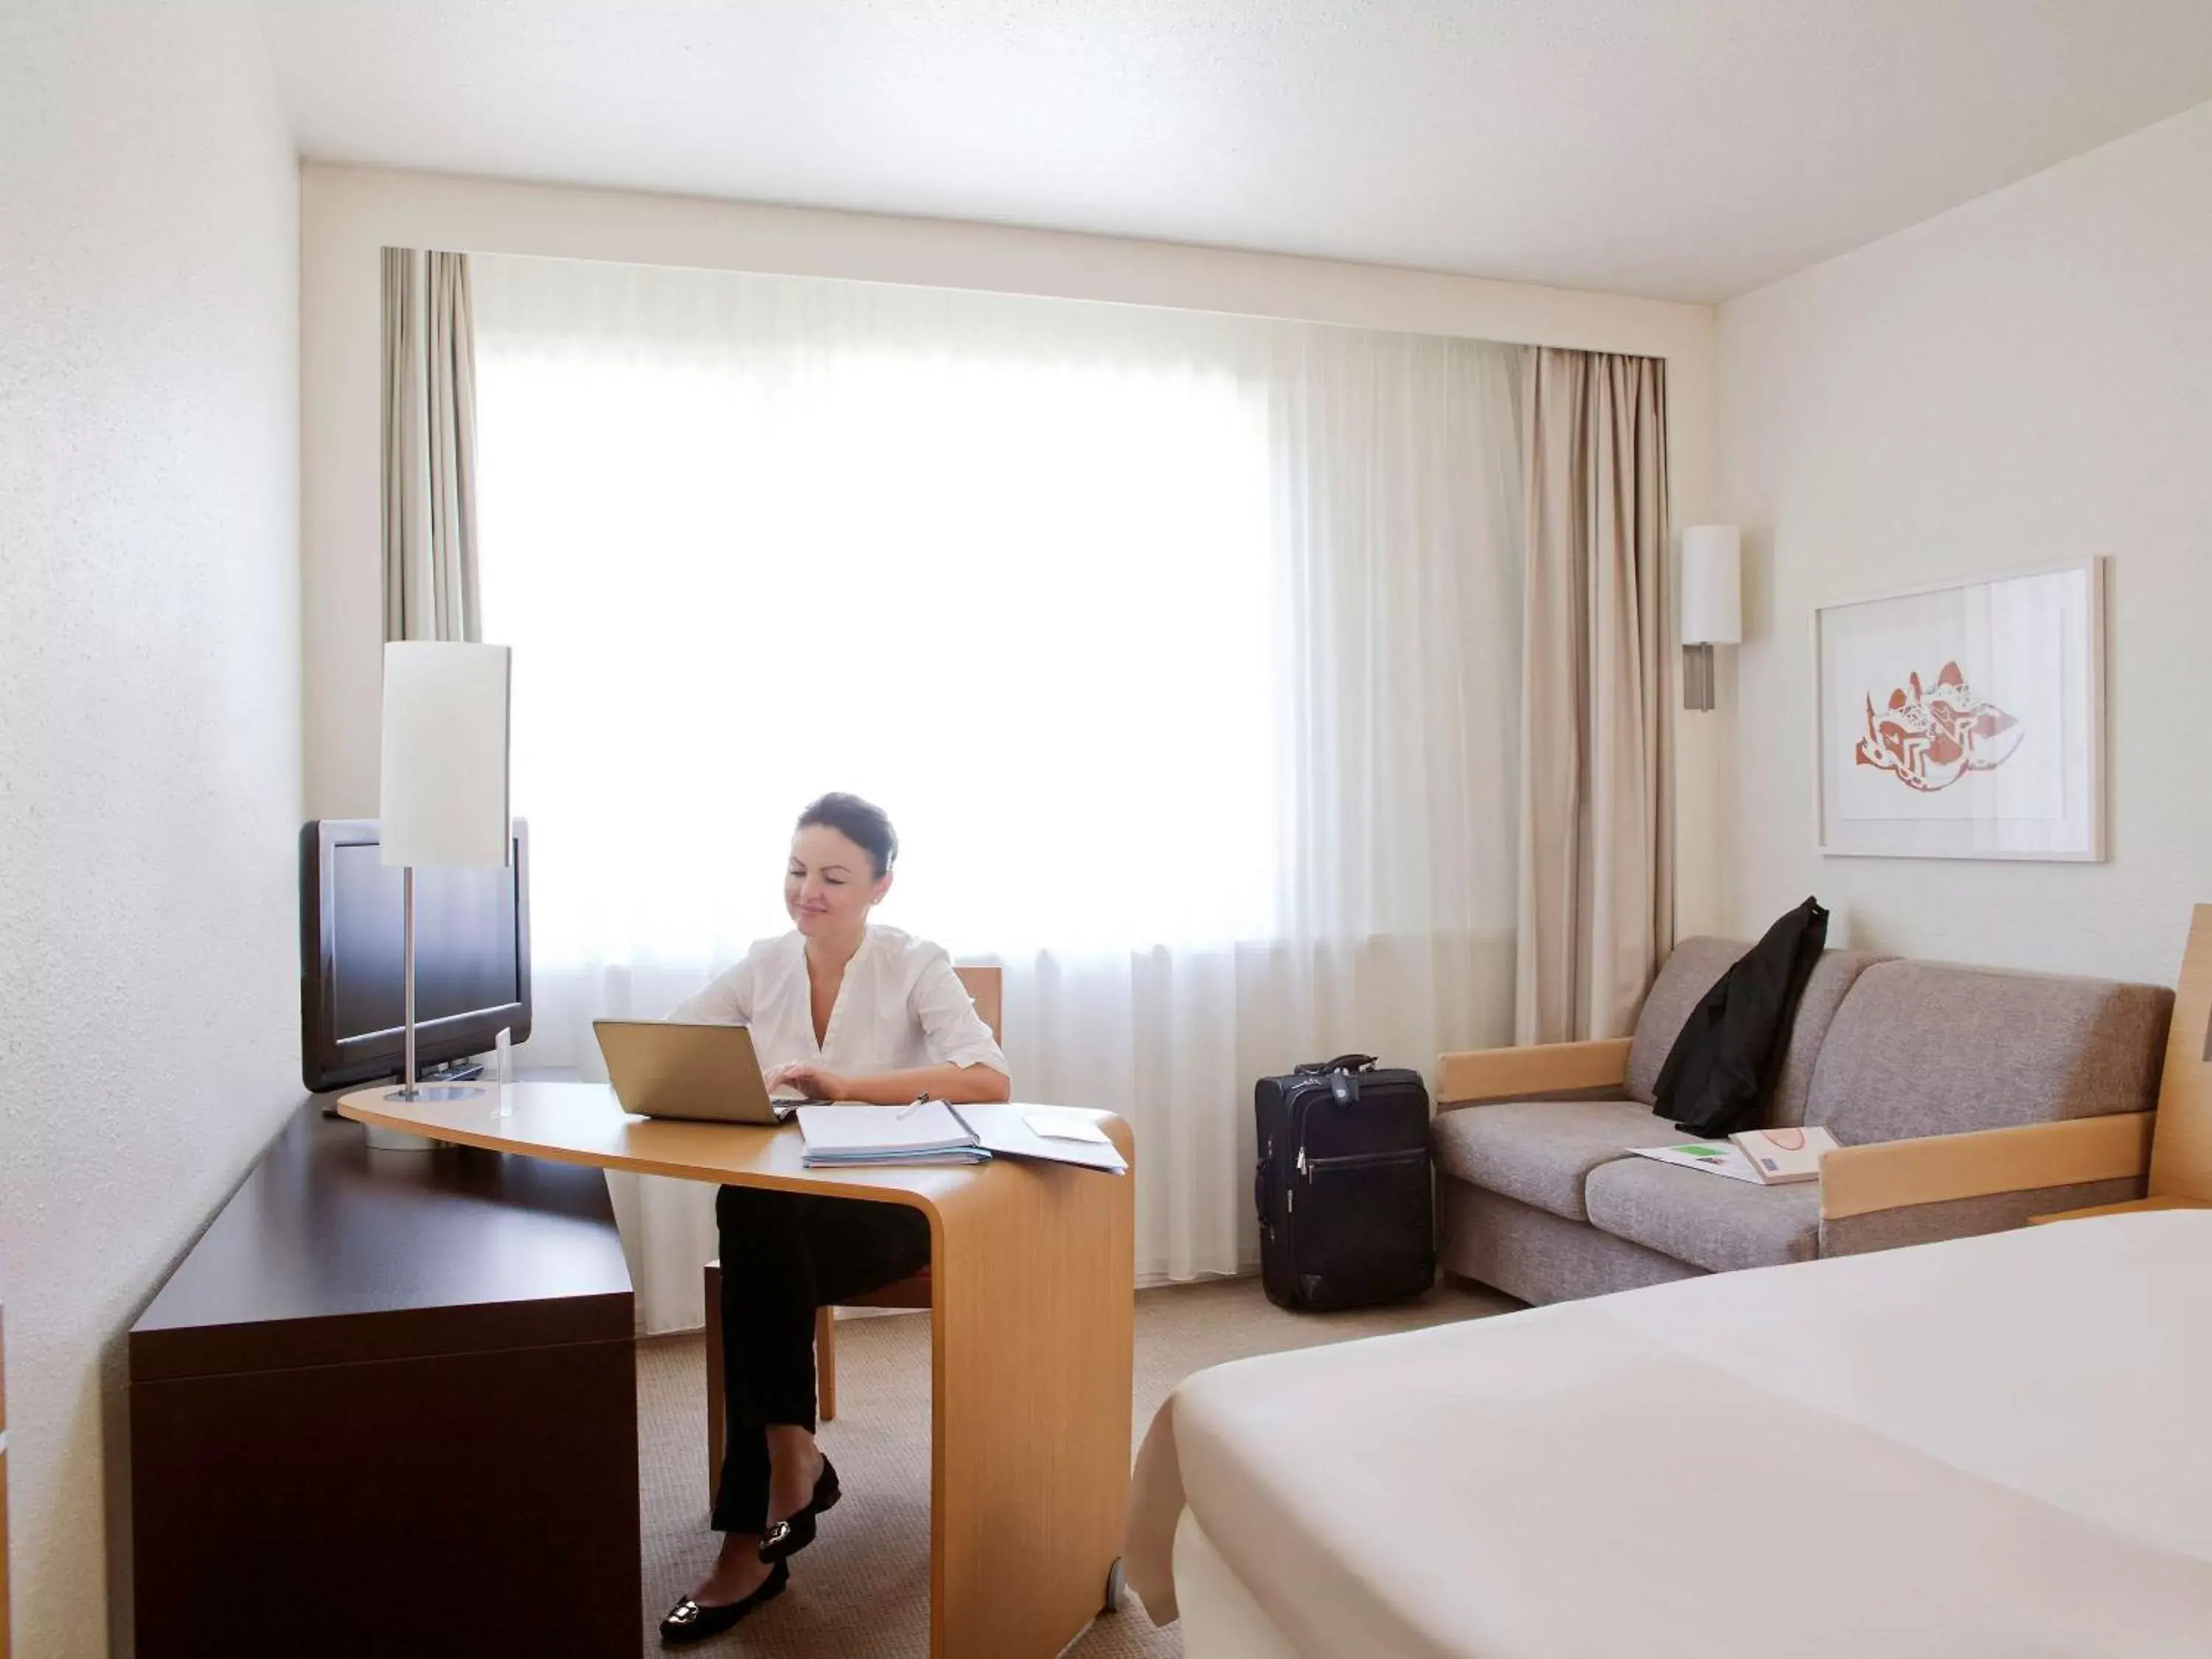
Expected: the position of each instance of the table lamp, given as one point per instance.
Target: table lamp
(1712, 604)
(443, 786)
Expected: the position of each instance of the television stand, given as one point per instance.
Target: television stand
(421, 1364)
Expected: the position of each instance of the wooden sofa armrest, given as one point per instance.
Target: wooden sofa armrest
(1936, 1169)
(1541, 1069)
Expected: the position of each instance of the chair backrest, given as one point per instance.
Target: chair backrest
(986, 985)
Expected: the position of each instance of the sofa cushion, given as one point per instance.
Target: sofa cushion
(1920, 1049)
(1706, 1220)
(1825, 987)
(1683, 980)
(1693, 968)
(1536, 1255)
(1538, 1151)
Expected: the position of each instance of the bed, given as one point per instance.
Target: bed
(1993, 1446)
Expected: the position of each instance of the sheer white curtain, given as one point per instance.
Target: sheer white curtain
(1182, 649)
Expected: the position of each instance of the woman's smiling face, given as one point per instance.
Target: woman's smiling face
(830, 883)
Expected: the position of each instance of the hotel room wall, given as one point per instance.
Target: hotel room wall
(2024, 381)
(149, 735)
(347, 213)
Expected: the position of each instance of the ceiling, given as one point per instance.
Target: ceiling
(1688, 149)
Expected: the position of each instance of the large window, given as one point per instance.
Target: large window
(1183, 650)
(1024, 600)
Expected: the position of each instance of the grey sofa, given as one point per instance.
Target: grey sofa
(1965, 1100)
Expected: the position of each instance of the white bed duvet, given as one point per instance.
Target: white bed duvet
(1998, 1447)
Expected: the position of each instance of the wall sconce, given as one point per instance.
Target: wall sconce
(1712, 604)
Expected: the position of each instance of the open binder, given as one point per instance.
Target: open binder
(932, 1132)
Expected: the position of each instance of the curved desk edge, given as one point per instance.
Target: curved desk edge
(581, 1123)
(1042, 1422)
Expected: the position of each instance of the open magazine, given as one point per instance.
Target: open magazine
(1766, 1158)
(1716, 1155)
(1781, 1156)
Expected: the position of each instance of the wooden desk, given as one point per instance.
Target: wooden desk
(1032, 1339)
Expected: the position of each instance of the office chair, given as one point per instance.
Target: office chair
(986, 986)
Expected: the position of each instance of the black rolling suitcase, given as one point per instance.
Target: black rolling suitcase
(1347, 1213)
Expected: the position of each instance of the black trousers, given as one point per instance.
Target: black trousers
(784, 1254)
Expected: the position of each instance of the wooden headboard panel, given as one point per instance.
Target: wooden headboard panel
(2181, 1144)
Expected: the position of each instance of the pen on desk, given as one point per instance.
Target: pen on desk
(912, 1106)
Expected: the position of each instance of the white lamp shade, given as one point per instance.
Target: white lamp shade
(444, 785)
(1712, 585)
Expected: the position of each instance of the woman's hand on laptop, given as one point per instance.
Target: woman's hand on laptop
(814, 1082)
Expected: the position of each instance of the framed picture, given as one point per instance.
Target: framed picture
(1965, 721)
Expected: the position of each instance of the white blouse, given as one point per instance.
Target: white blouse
(901, 1007)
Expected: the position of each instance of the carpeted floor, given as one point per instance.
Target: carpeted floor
(863, 1588)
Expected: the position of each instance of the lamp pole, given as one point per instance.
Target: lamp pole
(408, 1091)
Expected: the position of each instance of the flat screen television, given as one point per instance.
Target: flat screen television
(472, 956)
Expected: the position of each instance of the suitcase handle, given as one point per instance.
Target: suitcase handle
(1341, 1063)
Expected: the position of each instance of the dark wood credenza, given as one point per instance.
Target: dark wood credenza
(387, 1405)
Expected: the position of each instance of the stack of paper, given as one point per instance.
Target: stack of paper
(927, 1132)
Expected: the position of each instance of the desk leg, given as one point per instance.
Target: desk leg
(1033, 1335)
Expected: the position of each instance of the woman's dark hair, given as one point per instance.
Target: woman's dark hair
(862, 823)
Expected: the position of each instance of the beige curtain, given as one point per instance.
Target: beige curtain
(429, 448)
(1597, 902)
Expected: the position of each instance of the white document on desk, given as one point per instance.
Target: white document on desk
(1004, 1131)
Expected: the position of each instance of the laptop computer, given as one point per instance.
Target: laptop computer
(707, 1073)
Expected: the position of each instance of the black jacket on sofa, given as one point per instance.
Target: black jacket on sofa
(1724, 1065)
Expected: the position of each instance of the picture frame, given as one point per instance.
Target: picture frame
(1965, 718)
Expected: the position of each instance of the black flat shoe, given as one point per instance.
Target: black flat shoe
(688, 1622)
(786, 1538)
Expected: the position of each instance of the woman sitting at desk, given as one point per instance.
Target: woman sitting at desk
(839, 1011)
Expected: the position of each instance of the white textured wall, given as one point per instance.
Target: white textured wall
(150, 736)
(347, 213)
(2024, 381)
